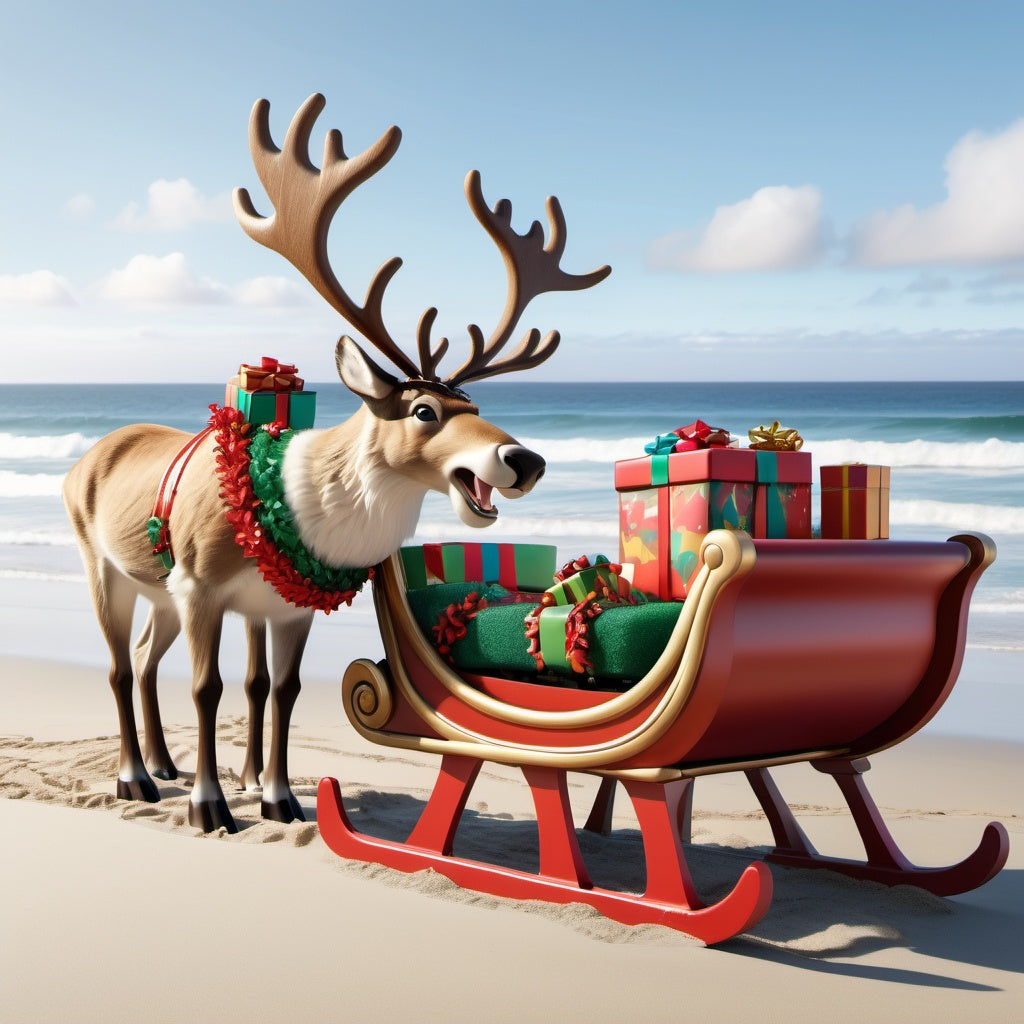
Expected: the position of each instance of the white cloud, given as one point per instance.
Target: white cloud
(271, 291)
(981, 220)
(162, 280)
(80, 207)
(38, 288)
(778, 227)
(172, 206)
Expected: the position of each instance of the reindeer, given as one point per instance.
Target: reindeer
(355, 489)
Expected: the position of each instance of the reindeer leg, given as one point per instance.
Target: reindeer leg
(288, 643)
(162, 626)
(203, 620)
(257, 689)
(113, 597)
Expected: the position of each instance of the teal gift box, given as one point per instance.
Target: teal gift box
(295, 409)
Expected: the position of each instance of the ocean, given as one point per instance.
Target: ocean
(956, 452)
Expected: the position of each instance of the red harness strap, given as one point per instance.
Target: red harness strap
(159, 526)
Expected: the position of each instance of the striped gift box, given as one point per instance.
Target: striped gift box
(529, 567)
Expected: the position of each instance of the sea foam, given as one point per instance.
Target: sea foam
(44, 577)
(532, 526)
(994, 519)
(37, 538)
(30, 485)
(993, 454)
(44, 446)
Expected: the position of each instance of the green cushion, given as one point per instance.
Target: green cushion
(626, 640)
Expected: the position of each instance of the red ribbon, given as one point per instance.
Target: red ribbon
(698, 435)
(270, 375)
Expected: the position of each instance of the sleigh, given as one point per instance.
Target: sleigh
(784, 651)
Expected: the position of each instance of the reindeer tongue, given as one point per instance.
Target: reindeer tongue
(482, 493)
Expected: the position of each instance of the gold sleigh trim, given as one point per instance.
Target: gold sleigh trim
(727, 556)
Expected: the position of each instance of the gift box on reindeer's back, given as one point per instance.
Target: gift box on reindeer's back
(271, 392)
(669, 501)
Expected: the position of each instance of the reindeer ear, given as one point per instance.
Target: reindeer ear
(359, 373)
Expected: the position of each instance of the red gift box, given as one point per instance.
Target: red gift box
(667, 503)
(855, 502)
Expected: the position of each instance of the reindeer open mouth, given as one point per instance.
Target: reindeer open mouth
(475, 492)
(509, 468)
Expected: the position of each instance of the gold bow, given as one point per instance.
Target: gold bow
(775, 438)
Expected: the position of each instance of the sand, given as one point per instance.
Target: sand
(114, 911)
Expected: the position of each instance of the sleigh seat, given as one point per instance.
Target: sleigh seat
(625, 639)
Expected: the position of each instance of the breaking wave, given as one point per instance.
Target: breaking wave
(53, 446)
(994, 519)
(992, 454)
(30, 485)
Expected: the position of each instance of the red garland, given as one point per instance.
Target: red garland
(452, 622)
(532, 622)
(236, 490)
(577, 642)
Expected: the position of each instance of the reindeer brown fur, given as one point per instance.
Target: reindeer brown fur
(355, 489)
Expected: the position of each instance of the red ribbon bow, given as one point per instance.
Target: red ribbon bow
(270, 375)
(699, 435)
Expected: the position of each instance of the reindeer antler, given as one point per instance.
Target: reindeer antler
(532, 269)
(305, 200)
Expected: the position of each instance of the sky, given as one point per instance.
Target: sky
(784, 191)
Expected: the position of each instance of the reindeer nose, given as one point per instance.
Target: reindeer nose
(528, 466)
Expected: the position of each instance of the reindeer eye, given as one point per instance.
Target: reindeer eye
(425, 413)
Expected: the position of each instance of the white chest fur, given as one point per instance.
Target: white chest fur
(350, 508)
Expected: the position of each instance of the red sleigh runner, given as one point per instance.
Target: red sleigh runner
(785, 651)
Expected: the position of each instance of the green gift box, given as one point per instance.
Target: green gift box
(528, 567)
(295, 409)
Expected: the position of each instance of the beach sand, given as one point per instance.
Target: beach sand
(116, 911)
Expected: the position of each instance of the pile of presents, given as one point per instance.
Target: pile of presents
(271, 392)
(697, 479)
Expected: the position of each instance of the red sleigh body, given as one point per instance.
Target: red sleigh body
(819, 651)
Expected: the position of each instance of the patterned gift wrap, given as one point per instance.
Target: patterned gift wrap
(667, 503)
(782, 502)
(271, 393)
(529, 567)
(855, 502)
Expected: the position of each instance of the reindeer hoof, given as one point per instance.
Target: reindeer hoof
(138, 789)
(285, 810)
(210, 815)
